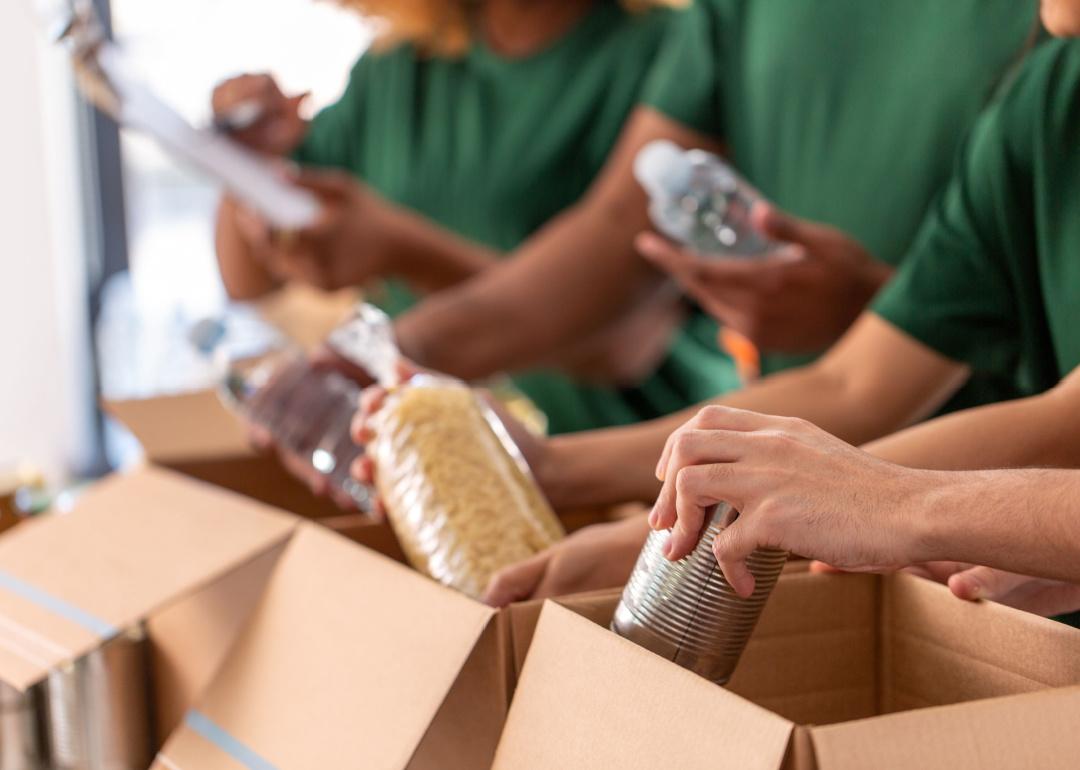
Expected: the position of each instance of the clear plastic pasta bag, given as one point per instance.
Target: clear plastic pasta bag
(456, 489)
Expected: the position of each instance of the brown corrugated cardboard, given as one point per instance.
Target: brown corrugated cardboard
(588, 699)
(352, 660)
(134, 546)
(197, 435)
(882, 661)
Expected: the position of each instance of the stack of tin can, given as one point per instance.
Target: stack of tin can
(91, 714)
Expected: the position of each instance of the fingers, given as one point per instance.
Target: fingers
(371, 401)
(780, 226)
(985, 583)
(691, 449)
(667, 256)
(732, 547)
(259, 87)
(693, 501)
(821, 568)
(516, 582)
(717, 417)
(407, 369)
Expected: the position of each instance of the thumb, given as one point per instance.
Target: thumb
(294, 103)
(984, 583)
(516, 582)
(781, 226)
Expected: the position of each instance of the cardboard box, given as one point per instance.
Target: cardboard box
(150, 546)
(352, 660)
(197, 435)
(843, 672)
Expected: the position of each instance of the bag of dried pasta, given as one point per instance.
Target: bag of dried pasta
(455, 487)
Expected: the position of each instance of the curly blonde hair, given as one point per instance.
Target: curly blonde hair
(444, 27)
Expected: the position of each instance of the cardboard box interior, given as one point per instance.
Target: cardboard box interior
(146, 546)
(842, 672)
(352, 660)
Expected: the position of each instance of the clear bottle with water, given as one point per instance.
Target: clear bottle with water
(699, 201)
(308, 408)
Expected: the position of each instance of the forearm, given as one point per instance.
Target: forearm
(873, 382)
(528, 307)
(1022, 521)
(241, 273)
(1038, 431)
(574, 276)
(430, 258)
(618, 465)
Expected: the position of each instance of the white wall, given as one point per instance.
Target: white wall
(42, 312)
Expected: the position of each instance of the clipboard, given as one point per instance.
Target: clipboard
(109, 82)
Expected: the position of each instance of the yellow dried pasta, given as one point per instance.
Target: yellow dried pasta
(459, 504)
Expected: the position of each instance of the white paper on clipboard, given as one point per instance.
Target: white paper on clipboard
(249, 178)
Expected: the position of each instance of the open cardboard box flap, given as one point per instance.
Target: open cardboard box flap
(352, 660)
(182, 427)
(1036, 731)
(590, 699)
(133, 543)
(900, 672)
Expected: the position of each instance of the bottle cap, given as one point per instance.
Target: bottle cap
(662, 168)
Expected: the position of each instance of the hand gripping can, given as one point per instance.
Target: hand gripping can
(686, 611)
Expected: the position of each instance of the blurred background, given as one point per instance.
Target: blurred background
(108, 252)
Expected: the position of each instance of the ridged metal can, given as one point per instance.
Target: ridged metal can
(686, 611)
(97, 709)
(22, 745)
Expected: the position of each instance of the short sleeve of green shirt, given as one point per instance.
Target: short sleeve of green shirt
(956, 291)
(685, 82)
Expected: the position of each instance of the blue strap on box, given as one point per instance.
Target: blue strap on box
(217, 735)
(57, 606)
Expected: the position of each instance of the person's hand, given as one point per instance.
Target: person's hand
(799, 299)
(1036, 595)
(599, 556)
(797, 488)
(278, 128)
(350, 245)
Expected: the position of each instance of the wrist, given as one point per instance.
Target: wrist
(591, 469)
(928, 517)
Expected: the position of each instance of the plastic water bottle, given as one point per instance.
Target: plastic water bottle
(308, 409)
(699, 201)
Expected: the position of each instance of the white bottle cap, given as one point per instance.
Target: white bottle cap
(662, 168)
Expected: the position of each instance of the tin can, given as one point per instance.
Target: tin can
(22, 745)
(686, 611)
(97, 709)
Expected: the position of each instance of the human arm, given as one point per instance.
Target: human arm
(874, 381)
(546, 297)
(800, 489)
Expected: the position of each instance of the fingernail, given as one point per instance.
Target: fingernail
(667, 549)
(660, 471)
(653, 516)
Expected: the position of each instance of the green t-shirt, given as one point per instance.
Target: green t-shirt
(993, 279)
(493, 147)
(847, 112)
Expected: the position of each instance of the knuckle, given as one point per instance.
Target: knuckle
(684, 481)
